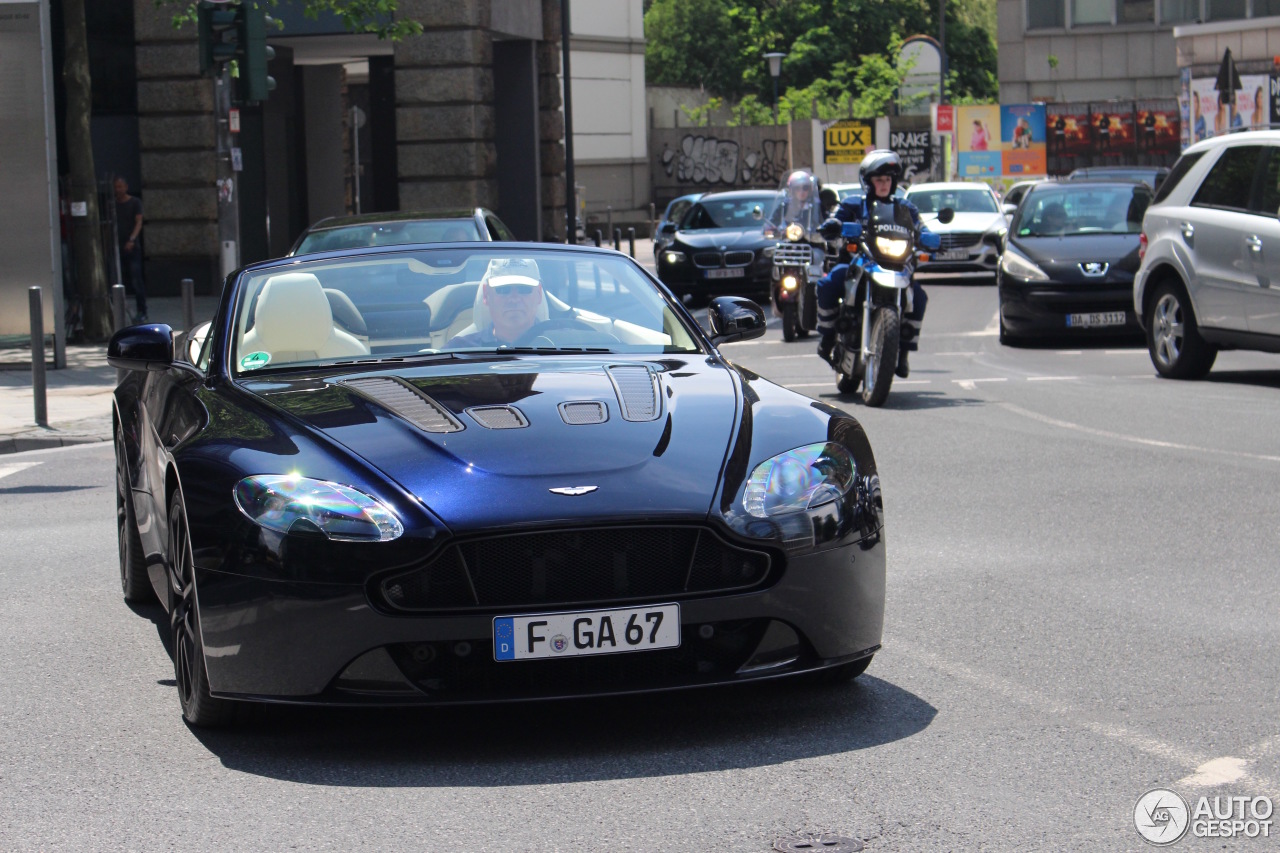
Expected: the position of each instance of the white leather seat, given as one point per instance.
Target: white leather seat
(294, 322)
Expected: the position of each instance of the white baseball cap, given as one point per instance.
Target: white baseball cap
(503, 271)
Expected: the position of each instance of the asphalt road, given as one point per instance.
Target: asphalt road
(1082, 606)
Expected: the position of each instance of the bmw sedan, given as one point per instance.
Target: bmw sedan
(724, 245)
(550, 484)
(1069, 260)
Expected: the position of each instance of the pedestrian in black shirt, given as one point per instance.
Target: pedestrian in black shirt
(129, 233)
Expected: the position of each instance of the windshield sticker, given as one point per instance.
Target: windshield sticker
(255, 360)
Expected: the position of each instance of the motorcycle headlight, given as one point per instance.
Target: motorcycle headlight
(1015, 264)
(293, 504)
(891, 248)
(795, 232)
(799, 479)
(674, 257)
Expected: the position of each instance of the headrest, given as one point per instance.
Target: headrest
(293, 314)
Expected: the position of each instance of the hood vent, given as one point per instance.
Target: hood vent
(498, 417)
(406, 401)
(584, 413)
(637, 390)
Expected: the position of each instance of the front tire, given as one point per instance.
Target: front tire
(199, 707)
(1173, 336)
(134, 582)
(790, 322)
(882, 360)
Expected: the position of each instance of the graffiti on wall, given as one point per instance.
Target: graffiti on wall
(708, 160)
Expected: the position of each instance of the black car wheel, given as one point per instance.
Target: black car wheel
(790, 322)
(199, 708)
(134, 582)
(1173, 337)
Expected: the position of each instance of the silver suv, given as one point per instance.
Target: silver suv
(1210, 275)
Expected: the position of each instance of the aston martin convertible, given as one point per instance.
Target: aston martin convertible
(459, 473)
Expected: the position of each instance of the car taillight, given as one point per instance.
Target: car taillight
(1142, 245)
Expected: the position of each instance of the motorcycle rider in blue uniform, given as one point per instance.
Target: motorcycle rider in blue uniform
(879, 173)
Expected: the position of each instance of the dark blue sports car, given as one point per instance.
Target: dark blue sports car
(478, 472)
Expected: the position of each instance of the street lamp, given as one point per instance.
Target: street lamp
(775, 69)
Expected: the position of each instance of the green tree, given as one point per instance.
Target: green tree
(692, 43)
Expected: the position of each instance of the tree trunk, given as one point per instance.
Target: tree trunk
(91, 279)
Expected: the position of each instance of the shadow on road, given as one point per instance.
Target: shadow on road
(1258, 378)
(904, 400)
(571, 741)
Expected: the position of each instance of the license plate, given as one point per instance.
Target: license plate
(735, 272)
(1101, 318)
(952, 255)
(586, 632)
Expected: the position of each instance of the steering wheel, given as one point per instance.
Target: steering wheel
(539, 330)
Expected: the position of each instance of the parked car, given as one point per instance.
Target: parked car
(723, 245)
(336, 233)
(1152, 176)
(1209, 274)
(1069, 260)
(964, 253)
(673, 213)
(605, 506)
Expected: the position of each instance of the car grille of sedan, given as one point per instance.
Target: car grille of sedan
(738, 259)
(706, 260)
(576, 567)
(959, 239)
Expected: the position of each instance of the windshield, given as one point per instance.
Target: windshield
(390, 234)
(1147, 176)
(737, 212)
(1064, 210)
(961, 201)
(402, 305)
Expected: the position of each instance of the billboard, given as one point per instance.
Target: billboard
(1159, 127)
(978, 132)
(1208, 117)
(915, 148)
(1022, 136)
(1113, 130)
(847, 141)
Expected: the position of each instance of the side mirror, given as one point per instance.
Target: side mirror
(993, 238)
(734, 318)
(146, 347)
(1010, 209)
(851, 230)
(667, 228)
(757, 212)
(831, 229)
(946, 215)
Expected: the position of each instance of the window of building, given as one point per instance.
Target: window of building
(1179, 11)
(1045, 14)
(1085, 12)
(1137, 11)
(1226, 10)
(1266, 8)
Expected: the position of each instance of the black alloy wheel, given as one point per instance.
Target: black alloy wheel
(199, 708)
(882, 358)
(1173, 336)
(134, 582)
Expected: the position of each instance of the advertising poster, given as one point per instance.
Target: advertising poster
(915, 148)
(978, 133)
(1253, 107)
(1068, 130)
(1159, 126)
(1022, 131)
(1208, 117)
(1184, 104)
(847, 141)
(1113, 130)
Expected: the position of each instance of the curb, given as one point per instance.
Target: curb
(88, 431)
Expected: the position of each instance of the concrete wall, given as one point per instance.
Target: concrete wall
(685, 160)
(1202, 45)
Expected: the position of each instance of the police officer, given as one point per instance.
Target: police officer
(879, 173)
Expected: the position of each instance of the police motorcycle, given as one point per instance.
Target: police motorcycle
(877, 293)
(799, 258)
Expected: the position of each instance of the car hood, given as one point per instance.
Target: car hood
(1061, 257)
(729, 238)
(663, 462)
(964, 222)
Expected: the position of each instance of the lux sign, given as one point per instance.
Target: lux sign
(847, 141)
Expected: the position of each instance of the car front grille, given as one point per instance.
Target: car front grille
(959, 239)
(575, 567)
(706, 260)
(738, 259)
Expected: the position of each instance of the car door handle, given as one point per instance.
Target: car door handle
(1188, 230)
(1254, 242)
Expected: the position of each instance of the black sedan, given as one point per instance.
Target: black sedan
(724, 244)
(551, 484)
(1069, 260)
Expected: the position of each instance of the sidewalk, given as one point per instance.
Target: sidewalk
(78, 397)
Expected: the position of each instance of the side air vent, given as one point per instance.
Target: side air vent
(407, 402)
(637, 390)
(584, 413)
(498, 417)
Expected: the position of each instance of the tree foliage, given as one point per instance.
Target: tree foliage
(358, 16)
(841, 54)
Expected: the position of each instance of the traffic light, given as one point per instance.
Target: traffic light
(237, 33)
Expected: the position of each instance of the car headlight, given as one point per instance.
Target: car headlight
(891, 248)
(675, 257)
(799, 479)
(795, 232)
(1014, 263)
(293, 504)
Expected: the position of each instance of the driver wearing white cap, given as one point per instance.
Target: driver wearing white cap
(512, 292)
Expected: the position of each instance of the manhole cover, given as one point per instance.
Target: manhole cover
(818, 844)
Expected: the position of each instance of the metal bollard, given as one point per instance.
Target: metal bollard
(597, 238)
(36, 299)
(631, 237)
(609, 211)
(188, 304)
(117, 306)
(653, 220)
(617, 239)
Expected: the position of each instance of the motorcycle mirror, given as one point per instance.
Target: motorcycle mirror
(946, 215)
(852, 230)
(831, 229)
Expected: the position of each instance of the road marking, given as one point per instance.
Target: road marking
(1134, 439)
(955, 353)
(969, 384)
(780, 357)
(1069, 352)
(1125, 351)
(15, 467)
(809, 385)
(1049, 378)
(913, 382)
(1220, 771)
